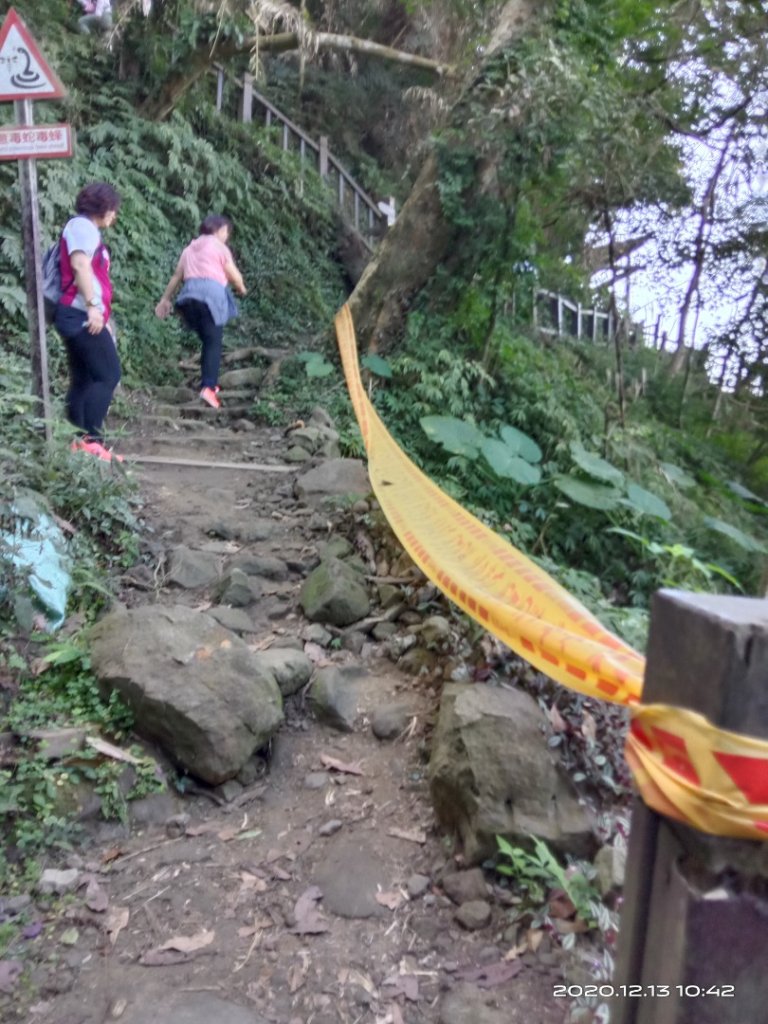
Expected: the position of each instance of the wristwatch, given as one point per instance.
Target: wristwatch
(93, 302)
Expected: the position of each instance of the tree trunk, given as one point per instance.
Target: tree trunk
(422, 237)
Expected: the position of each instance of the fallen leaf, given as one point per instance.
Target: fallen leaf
(589, 727)
(10, 972)
(164, 958)
(262, 645)
(260, 922)
(403, 985)
(96, 898)
(340, 766)
(202, 829)
(297, 974)
(251, 833)
(391, 899)
(110, 750)
(490, 975)
(279, 874)
(251, 882)
(309, 920)
(556, 720)
(533, 938)
(117, 919)
(189, 943)
(352, 976)
(412, 836)
(560, 905)
(69, 937)
(111, 854)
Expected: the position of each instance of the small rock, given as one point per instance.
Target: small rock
(383, 630)
(232, 618)
(316, 780)
(229, 790)
(389, 722)
(330, 827)
(333, 699)
(353, 642)
(176, 826)
(317, 634)
(15, 904)
(58, 882)
(253, 770)
(463, 886)
(435, 631)
(336, 547)
(473, 915)
(417, 885)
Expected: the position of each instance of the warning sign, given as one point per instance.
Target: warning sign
(45, 140)
(24, 72)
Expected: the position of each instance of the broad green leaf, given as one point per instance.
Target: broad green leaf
(521, 444)
(677, 476)
(505, 463)
(594, 466)
(317, 366)
(734, 533)
(456, 436)
(377, 365)
(585, 493)
(647, 503)
(744, 492)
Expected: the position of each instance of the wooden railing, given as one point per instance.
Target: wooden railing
(238, 99)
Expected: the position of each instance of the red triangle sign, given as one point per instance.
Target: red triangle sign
(24, 72)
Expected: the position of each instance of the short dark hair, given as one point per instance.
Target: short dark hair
(97, 199)
(213, 222)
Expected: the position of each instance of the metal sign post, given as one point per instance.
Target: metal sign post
(26, 76)
(30, 222)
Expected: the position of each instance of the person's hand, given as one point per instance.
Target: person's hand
(242, 291)
(95, 320)
(163, 308)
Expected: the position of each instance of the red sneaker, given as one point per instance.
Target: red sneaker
(209, 395)
(95, 448)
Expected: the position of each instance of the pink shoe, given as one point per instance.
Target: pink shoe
(95, 448)
(209, 395)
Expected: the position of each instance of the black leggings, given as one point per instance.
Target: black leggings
(94, 371)
(197, 317)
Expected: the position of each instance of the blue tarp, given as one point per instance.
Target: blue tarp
(35, 546)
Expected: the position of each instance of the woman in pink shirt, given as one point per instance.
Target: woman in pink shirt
(206, 270)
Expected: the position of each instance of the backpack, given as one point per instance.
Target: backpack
(51, 268)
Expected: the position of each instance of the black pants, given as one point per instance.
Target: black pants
(94, 370)
(197, 317)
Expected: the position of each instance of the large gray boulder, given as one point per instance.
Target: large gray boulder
(334, 593)
(193, 686)
(334, 478)
(491, 774)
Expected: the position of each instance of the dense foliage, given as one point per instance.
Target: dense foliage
(618, 473)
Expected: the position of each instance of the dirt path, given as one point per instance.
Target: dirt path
(314, 896)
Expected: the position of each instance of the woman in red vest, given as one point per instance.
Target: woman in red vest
(82, 316)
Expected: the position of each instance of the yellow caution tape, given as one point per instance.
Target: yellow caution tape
(683, 766)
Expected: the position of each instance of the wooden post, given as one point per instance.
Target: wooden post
(323, 157)
(33, 275)
(219, 90)
(246, 112)
(695, 918)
